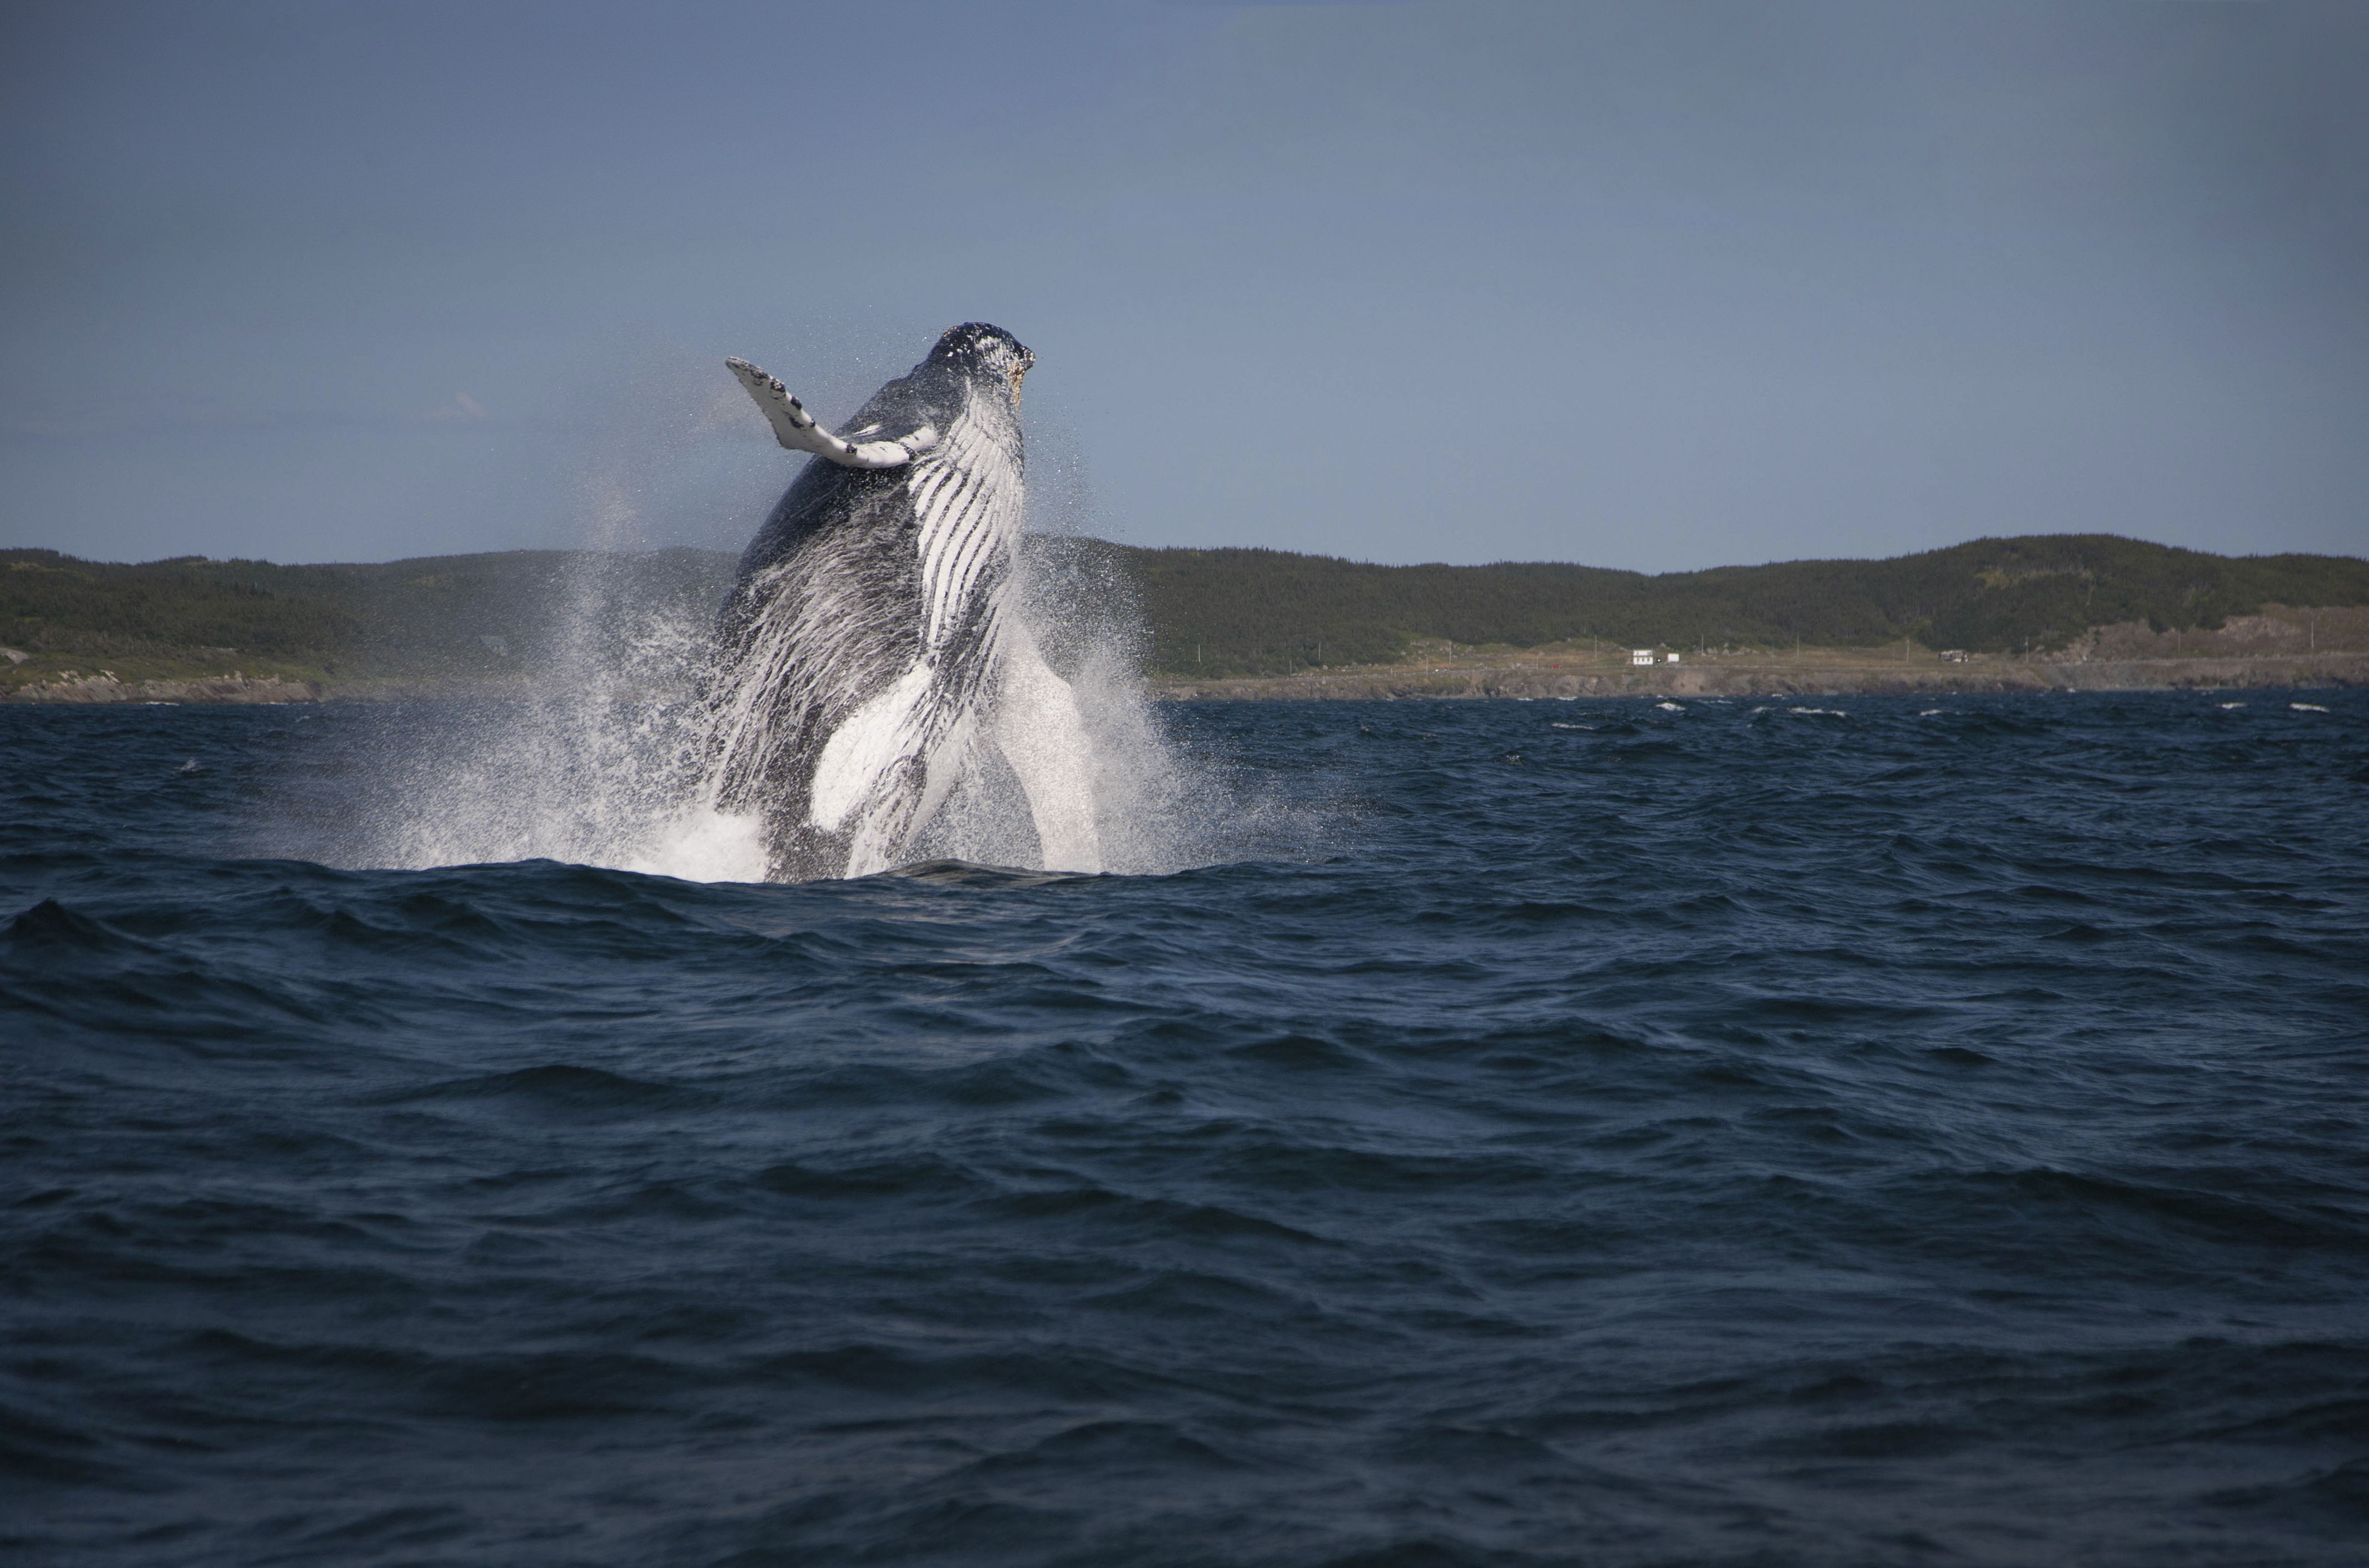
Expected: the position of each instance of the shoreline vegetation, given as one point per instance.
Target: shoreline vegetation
(2046, 612)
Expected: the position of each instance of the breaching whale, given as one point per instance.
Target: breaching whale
(870, 652)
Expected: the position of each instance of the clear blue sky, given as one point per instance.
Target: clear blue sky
(1662, 285)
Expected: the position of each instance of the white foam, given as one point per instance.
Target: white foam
(605, 765)
(605, 762)
(704, 845)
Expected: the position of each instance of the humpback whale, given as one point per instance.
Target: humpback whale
(871, 652)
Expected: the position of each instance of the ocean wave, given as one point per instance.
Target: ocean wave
(1929, 1134)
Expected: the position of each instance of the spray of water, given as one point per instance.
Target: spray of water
(602, 759)
(597, 761)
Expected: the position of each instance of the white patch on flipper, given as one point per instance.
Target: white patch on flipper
(871, 739)
(863, 786)
(1042, 735)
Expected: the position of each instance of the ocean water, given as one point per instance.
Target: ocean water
(1605, 1133)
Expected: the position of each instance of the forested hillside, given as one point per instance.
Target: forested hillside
(1206, 611)
(1241, 612)
(427, 618)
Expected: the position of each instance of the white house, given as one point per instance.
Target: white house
(1640, 656)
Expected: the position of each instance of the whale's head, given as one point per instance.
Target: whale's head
(984, 353)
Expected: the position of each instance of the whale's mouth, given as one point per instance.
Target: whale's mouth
(1016, 372)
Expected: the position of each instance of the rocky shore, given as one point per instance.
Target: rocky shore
(2255, 651)
(1740, 679)
(1388, 684)
(104, 687)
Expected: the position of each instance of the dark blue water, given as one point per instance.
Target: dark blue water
(1726, 1136)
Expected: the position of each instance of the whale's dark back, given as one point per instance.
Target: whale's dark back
(824, 493)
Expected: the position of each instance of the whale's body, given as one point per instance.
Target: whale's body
(869, 652)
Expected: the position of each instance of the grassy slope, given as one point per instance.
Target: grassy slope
(1210, 611)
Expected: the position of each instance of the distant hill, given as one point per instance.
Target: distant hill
(1265, 612)
(431, 618)
(1213, 612)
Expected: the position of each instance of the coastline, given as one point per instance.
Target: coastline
(1503, 674)
(1397, 683)
(106, 689)
(1384, 683)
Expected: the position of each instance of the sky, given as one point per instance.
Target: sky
(1658, 285)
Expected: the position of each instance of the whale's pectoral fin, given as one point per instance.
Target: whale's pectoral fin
(797, 431)
(886, 771)
(1042, 735)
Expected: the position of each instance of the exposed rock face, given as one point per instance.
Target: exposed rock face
(104, 687)
(2280, 646)
(2280, 631)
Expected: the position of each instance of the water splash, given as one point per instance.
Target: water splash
(603, 759)
(596, 762)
